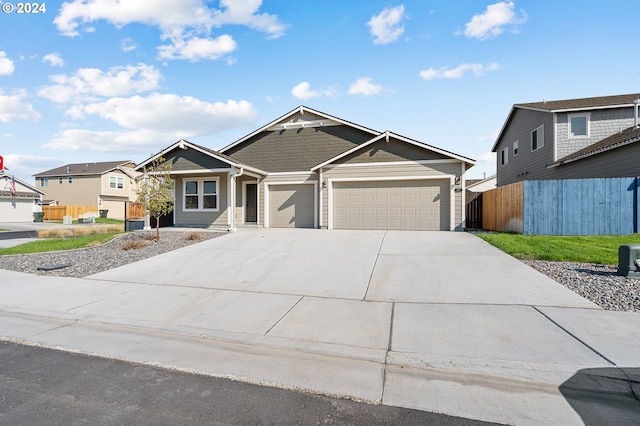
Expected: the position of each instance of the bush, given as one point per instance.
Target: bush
(134, 244)
(193, 236)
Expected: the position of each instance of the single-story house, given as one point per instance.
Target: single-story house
(18, 199)
(313, 170)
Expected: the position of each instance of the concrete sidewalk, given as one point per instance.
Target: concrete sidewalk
(431, 320)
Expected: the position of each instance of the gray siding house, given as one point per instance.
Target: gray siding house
(568, 139)
(312, 170)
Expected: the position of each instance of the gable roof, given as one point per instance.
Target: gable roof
(300, 109)
(623, 138)
(183, 144)
(568, 105)
(80, 169)
(386, 135)
(5, 192)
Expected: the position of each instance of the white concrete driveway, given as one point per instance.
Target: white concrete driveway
(381, 266)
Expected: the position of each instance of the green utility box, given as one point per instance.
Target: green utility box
(38, 216)
(629, 261)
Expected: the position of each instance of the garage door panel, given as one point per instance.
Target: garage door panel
(291, 206)
(416, 204)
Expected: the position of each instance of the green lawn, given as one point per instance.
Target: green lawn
(602, 249)
(58, 244)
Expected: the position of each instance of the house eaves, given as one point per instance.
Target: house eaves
(301, 109)
(626, 137)
(183, 144)
(5, 175)
(387, 135)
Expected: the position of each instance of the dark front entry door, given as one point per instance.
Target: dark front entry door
(251, 203)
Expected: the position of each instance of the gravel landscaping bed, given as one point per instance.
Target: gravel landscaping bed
(87, 261)
(598, 283)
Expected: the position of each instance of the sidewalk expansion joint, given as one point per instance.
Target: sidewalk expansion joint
(373, 269)
(591, 348)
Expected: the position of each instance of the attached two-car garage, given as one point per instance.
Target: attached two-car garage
(420, 204)
(392, 204)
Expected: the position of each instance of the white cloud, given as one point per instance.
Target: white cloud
(54, 59)
(13, 107)
(458, 72)
(364, 86)
(386, 27)
(493, 21)
(127, 45)
(186, 23)
(26, 164)
(6, 64)
(197, 48)
(90, 83)
(303, 91)
(148, 120)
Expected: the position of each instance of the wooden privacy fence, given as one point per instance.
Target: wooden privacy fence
(59, 212)
(133, 211)
(503, 208)
(604, 206)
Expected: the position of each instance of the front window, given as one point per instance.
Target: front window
(70, 179)
(59, 180)
(116, 182)
(515, 148)
(44, 181)
(537, 138)
(504, 156)
(201, 194)
(579, 126)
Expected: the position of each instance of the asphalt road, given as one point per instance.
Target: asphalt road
(43, 386)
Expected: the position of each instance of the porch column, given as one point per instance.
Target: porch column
(231, 201)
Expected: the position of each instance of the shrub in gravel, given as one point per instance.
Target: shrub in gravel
(193, 236)
(134, 244)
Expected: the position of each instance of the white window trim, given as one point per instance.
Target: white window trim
(540, 140)
(116, 180)
(587, 115)
(200, 183)
(515, 148)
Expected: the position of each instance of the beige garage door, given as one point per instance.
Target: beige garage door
(411, 205)
(291, 206)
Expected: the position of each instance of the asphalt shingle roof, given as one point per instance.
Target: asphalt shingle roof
(77, 169)
(602, 101)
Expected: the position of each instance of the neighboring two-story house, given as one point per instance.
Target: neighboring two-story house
(568, 139)
(107, 185)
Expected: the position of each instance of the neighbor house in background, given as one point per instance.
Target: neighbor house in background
(313, 170)
(107, 185)
(18, 199)
(567, 139)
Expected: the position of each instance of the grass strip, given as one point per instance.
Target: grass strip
(59, 244)
(599, 249)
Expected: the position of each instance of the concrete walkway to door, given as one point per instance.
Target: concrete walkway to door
(437, 321)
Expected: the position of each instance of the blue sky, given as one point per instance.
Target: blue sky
(100, 80)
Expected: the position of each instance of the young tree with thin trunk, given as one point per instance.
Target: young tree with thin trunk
(155, 191)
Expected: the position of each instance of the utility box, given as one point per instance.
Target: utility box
(629, 261)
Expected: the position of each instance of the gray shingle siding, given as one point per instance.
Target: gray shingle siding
(191, 159)
(527, 164)
(298, 149)
(603, 123)
(391, 151)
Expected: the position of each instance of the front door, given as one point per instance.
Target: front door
(251, 203)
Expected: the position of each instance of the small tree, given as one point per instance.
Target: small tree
(155, 191)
